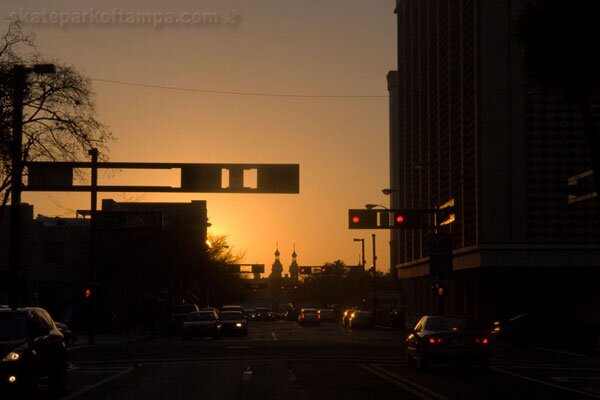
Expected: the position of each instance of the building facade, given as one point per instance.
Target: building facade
(466, 125)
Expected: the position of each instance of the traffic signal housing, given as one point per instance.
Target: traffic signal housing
(409, 219)
(305, 271)
(362, 219)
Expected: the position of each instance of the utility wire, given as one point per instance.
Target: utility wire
(182, 89)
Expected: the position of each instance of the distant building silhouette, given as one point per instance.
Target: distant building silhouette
(466, 124)
(294, 269)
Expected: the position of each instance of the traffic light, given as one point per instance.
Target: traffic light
(327, 269)
(88, 293)
(409, 219)
(305, 270)
(362, 219)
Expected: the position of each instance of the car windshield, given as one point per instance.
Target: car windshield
(13, 326)
(309, 311)
(231, 316)
(443, 324)
(200, 316)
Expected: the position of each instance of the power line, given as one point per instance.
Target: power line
(226, 92)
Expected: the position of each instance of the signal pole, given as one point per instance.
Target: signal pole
(374, 279)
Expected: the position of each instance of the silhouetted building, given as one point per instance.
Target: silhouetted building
(466, 125)
(294, 269)
(275, 281)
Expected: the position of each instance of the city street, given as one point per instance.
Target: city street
(283, 360)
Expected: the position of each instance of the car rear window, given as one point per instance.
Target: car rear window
(13, 326)
(443, 324)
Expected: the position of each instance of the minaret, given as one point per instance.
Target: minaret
(276, 268)
(294, 266)
(274, 288)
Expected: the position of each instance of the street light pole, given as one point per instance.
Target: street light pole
(374, 279)
(19, 81)
(19, 74)
(362, 248)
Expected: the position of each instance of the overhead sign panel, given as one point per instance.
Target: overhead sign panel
(195, 178)
(46, 176)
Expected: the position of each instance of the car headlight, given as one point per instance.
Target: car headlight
(12, 356)
(238, 324)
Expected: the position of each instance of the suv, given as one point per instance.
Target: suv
(31, 348)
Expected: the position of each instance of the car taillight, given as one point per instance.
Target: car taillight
(481, 341)
(435, 340)
(318, 316)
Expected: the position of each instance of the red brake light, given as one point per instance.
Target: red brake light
(484, 341)
(435, 340)
(454, 329)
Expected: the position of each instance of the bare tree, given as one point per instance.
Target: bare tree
(59, 118)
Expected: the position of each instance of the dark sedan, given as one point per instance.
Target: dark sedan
(31, 348)
(201, 324)
(234, 322)
(447, 338)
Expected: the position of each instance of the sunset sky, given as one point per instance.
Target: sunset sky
(318, 47)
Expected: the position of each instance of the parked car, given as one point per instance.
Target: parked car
(234, 322)
(201, 324)
(309, 316)
(361, 319)
(447, 339)
(31, 348)
(326, 314)
(67, 333)
(179, 313)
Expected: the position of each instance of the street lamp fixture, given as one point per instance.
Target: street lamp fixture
(372, 206)
(387, 192)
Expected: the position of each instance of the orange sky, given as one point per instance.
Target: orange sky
(321, 47)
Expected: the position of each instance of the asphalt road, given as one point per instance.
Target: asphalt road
(282, 360)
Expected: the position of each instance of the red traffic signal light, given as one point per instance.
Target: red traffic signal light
(362, 219)
(305, 270)
(326, 269)
(440, 291)
(88, 293)
(410, 219)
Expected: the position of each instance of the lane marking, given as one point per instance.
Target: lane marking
(431, 393)
(396, 382)
(541, 382)
(97, 384)
(274, 336)
(568, 353)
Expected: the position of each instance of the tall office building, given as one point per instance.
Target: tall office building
(467, 125)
